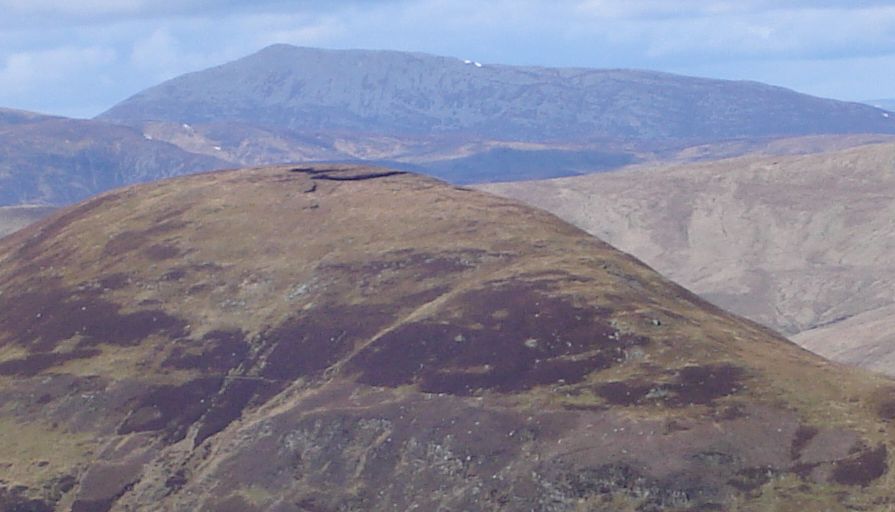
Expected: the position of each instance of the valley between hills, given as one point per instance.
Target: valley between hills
(430, 114)
(801, 244)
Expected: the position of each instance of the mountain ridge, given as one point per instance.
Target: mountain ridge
(438, 115)
(413, 93)
(885, 103)
(53, 160)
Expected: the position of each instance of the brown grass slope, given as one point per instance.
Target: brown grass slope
(322, 339)
(798, 243)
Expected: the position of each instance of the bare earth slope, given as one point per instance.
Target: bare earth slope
(866, 339)
(794, 242)
(322, 339)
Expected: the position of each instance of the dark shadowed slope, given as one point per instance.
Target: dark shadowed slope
(55, 160)
(416, 94)
(322, 339)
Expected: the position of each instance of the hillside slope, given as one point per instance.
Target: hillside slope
(794, 242)
(288, 339)
(56, 160)
(13, 218)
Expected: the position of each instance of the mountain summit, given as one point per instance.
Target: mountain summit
(287, 339)
(395, 93)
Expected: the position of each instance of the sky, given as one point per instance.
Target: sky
(80, 57)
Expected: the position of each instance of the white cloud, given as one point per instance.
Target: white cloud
(34, 13)
(92, 52)
(650, 9)
(653, 9)
(158, 54)
(81, 7)
(702, 30)
(24, 71)
(300, 29)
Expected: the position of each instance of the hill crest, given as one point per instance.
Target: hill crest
(758, 235)
(412, 94)
(337, 337)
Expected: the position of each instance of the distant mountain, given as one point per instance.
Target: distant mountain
(10, 117)
(331, 338)
(55, 160)
(412, 94)
(445, 117)
(452, 157)
(887, 103)
(803, 244)
(13, 218)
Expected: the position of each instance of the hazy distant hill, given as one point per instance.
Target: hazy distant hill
(803, 244)
(13, 218)
(468, 122)
(460, 121)
(411, 94)
(886, 103)
(10, 117)
(55, 160)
